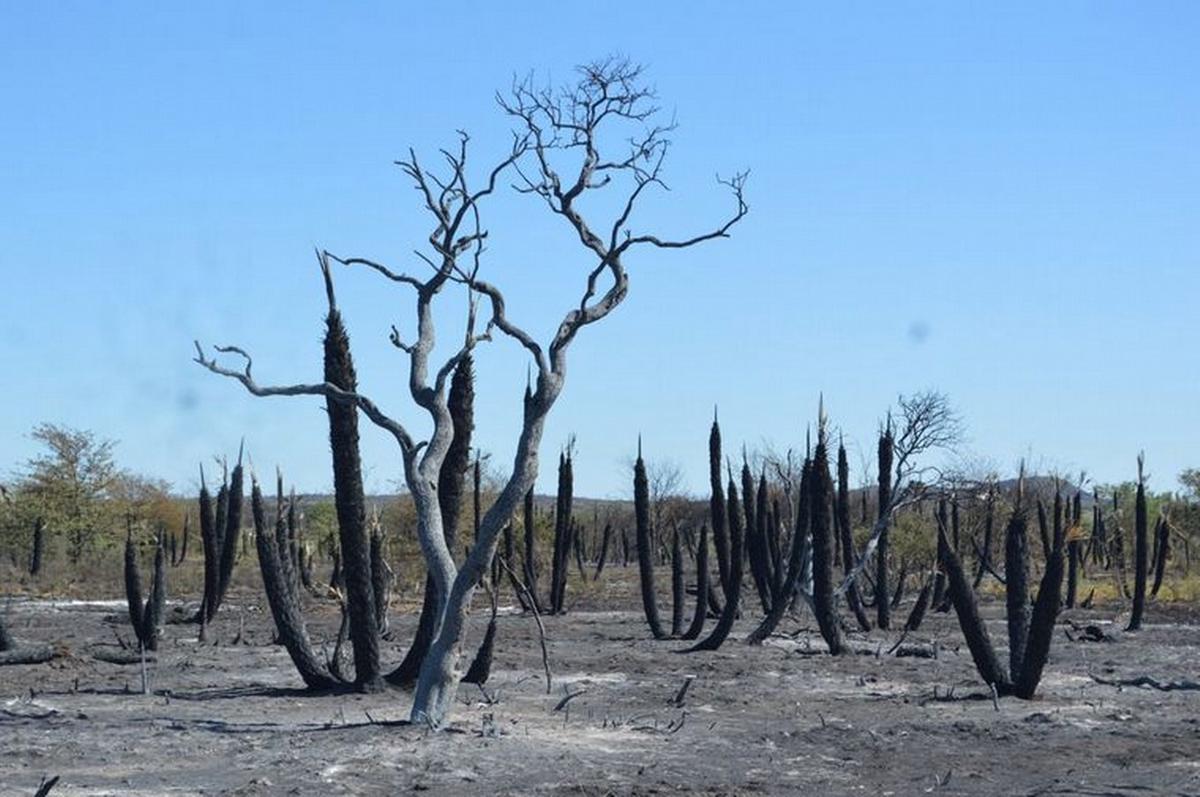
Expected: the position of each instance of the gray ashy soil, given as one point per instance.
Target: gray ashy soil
(780, 719)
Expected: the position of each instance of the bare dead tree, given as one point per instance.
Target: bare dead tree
(557, 156)
(927, 422)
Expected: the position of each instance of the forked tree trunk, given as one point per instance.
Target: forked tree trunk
(1041, 626)
(729, 612)
(973, 627)
(796, 563)
(156, 602)
(447, 501)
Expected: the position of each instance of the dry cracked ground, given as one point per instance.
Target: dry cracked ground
(226, 718)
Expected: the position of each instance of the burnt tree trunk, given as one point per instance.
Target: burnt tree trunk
(718, 515)
(1162, 551)
(796, 560)
(973, 627)
(38, 552)
(1041, 626)
(729, 613)
(530, 564)
(641, 510)
(846, 531)
(700, 612)
(1016, 585)
(284, 598)
(882, 603)
(824, 606)
(460, 401)
(350, 502)
(1140, 553)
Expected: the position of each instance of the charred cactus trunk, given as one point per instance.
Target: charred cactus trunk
(38, 548)
(1016, 589)
(882, 603)
(796, 563)
(229, 536)
(562, 533)
(284, 598)
(824, 606)
(756, 544)
(530, 559)
(718, 515)
(700, 613)
(1140, 551)
(645, 553)
(729, 613)
(349, 500)
(1041, 626)
(678, 591)
(1162, 550)
(973, 628)
(846, 532)
(133, 582)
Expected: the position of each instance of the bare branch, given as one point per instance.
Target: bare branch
(326, 389)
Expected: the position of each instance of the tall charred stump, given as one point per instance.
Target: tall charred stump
(283, 595)
(38, 548)
(846, 532)
(1140, 551)
(973, 628)
(756, 544)
(796, 563)
(645, 553)
(678, 590)
(1016, 570)
(718, 515)
(562, 533)
(530, 559)
(824, 605)
(349, 500)
(882, 595)
(989, 521)
(700, 612)
(1162, 532)
(729, 613)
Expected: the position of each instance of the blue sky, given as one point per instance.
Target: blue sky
(998, 203)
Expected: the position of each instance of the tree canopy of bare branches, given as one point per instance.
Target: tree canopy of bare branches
(555, 155)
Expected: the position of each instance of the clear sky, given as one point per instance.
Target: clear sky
(1002, 203)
